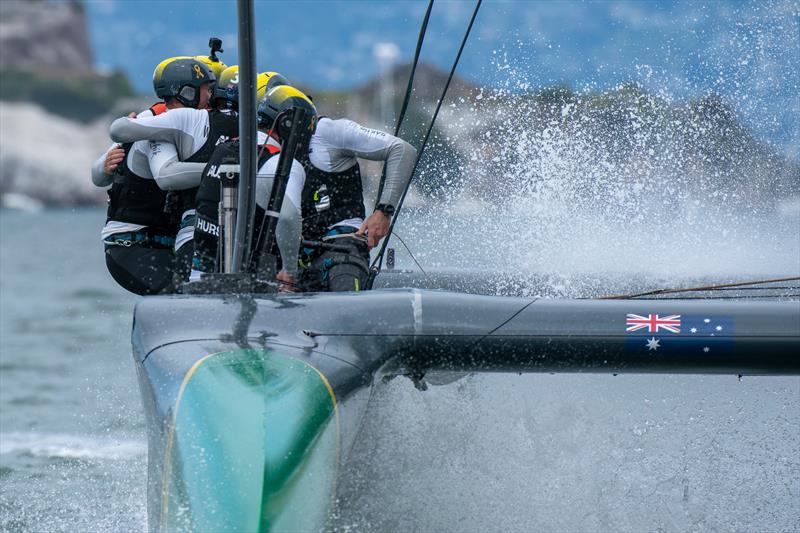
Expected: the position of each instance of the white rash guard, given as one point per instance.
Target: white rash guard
(337, 143)
(290, 222)
(175, 136)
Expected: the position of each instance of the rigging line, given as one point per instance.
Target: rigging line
(412, 255)
(379, 259)
(257, 242)
(769, 288)
(690, 289)
(509, 319)
(787, 297)
(422, 31)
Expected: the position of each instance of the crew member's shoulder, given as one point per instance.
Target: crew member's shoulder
(188, 112)
(327, 123)
(340, 131)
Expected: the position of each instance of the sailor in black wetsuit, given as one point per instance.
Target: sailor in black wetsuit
(182, 135)
(278, 100)
(333, 201)
(140, 230)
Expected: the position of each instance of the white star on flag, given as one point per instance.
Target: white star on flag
(652, 344)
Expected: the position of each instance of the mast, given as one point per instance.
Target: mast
(247, 135)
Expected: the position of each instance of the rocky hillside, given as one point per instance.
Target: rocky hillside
(46, 58)
(47, 157)
(51, 102)
(617, 146)
(36, 34)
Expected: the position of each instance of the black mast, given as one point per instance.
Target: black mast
(247, 134)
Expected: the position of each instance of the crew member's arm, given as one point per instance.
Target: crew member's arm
(186, 128)
(168, 171)
(290, 222)
(376, 145)
(103, 169)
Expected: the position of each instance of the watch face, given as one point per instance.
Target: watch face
(386, 209)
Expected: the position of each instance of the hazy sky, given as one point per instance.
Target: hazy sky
(747, 51)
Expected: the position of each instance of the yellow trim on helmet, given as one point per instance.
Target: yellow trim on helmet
(217, 67)
(261, 84)
(229, 76)
(282, 93)
(159, 71)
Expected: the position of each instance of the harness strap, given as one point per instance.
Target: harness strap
(140, 237)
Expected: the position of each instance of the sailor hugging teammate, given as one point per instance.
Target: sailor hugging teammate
(163, 216)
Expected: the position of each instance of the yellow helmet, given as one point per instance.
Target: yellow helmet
(214, 65)
(268, 80)
(228, 85)
(181, 78)
(226, 93)
(278, 102)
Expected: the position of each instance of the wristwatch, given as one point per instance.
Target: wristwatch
(386, 209)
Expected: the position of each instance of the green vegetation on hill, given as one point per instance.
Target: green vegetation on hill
(82, 97)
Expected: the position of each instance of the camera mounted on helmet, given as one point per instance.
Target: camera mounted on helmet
(215, 43)
(212, 61)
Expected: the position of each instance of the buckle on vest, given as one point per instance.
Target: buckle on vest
(322, 200)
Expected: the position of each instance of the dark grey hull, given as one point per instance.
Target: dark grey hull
(352, 340)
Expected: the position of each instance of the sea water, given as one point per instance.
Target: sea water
(72, 441)
(486, 453)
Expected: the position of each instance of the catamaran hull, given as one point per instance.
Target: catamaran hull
(253, 403)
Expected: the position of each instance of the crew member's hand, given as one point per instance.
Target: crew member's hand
(113, 159)
(288, 282)
(376, 227)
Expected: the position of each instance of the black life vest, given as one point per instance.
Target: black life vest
(222, 126)
(329, 197)
(138, 200)
(227, 153)
(206, 233)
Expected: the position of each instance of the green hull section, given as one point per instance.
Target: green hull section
(254, 446)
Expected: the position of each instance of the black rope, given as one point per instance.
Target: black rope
(697, 289)
(422, 31)
(378, 262)
(411, 254)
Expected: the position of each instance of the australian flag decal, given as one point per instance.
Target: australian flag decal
(695, 335)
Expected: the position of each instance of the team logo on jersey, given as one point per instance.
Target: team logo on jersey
(206, 226)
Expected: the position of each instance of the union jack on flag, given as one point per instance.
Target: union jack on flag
(653, 323)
